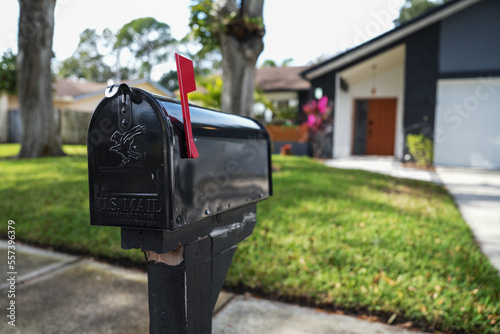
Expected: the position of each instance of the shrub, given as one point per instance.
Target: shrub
(421, 148)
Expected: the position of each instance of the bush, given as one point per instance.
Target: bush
(421, 148)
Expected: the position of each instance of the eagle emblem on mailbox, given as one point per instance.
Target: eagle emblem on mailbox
(125, 143)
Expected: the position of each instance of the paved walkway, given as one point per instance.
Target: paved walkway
(476, 192)
(383, 165)
(57, 293)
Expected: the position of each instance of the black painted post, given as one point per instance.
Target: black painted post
(180, 289)
(166, 284)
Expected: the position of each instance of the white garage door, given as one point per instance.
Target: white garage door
(467, 128)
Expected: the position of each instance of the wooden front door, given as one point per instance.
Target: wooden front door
(375, 127)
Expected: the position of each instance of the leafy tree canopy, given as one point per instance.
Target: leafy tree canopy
(169, 80)
(87, 61)
(232, 29)
(148, 40)
(413, 8)
(204, 26)
(8, 72)
(130, 52)
(209, 92)
(207, 22)
(286, 62)
(272, 63)
(269, 63)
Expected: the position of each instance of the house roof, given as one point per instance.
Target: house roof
(281, 79)
(64, 88)
(372, 46)
(67, 89)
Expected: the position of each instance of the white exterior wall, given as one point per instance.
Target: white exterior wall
(342, 122)
(467, 125)
(389, 84)
(281, 96)
(4, 106)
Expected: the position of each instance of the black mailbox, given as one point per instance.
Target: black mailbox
(139, 174)
(187, 214)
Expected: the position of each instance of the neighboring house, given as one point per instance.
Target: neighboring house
(438, 74)
(288, 92)
(75, 101)
(284, 87)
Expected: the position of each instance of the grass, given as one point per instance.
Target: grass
(338, 239)
(12, 150)
(48, 200)
(9, 150)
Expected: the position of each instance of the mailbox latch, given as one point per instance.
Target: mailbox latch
(124, 111)
(124, 104)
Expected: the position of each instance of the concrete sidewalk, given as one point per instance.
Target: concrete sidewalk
(383, 165)
(57, 293)
(477, 194)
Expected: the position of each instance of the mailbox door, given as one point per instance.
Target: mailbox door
(128, 170)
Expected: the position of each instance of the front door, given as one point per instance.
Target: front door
(374, 127)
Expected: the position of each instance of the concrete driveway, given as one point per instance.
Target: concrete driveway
(477, 194)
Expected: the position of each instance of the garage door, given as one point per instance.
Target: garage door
(467, 128)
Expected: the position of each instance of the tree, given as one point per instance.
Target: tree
(41, 135)
(148, 41)
(208, 93)
(129, 52)
(170, 81)
(269, 63)
(413, 8)
(8, 73)
(87, 62)
(204, 26)
(286, 62)
(236, 29)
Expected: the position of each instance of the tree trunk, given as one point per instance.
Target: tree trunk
(241, 45)
(41, 128)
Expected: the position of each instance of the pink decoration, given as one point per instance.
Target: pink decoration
(311, 120)
(323, 104)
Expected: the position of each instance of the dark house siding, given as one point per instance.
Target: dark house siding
(421, 74)
(303, 98)
(470, 41)
(327, 83)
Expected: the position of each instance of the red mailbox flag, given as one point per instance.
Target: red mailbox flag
(185, 75)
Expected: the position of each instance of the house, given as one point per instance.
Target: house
(288, 92)
(438, 74)
(75, 101)
(284, 87)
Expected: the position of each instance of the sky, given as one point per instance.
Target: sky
(301, 30)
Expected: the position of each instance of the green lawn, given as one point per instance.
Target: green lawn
(12, 150)
(9, 150)
(348, 240)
